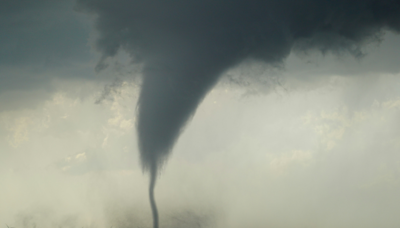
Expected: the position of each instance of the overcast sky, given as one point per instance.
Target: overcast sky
(312, 141)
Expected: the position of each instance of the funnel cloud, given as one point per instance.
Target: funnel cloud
(186, 46)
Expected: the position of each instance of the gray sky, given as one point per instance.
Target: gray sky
(310, 142)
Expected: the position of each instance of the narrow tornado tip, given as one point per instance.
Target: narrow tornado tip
(153, 178)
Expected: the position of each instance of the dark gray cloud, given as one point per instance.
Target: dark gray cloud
(187, 45)
(41, 40)
(45, 33)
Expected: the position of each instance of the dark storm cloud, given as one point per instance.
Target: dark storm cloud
(40, 32)
(38, 40)
(187, 45)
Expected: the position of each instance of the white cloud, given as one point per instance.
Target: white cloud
(287, 158)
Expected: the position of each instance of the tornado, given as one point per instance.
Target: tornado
(186, 45)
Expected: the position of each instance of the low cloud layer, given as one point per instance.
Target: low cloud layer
(307, 157)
